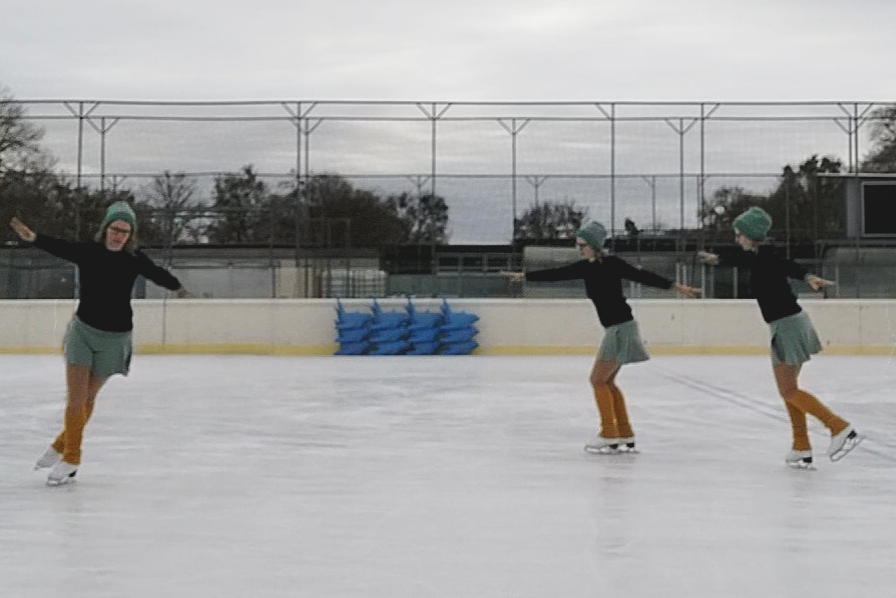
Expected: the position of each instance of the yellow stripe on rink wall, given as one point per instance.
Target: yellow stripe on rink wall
(592, 350)
(29, 351)
(674, 350)
(237, 349)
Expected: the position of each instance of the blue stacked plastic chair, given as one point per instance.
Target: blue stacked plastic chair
(389, 332)
(409, 332)
(457, 331)
(352, 331)
(424, 329)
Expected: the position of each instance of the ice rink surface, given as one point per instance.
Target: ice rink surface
(239, 476)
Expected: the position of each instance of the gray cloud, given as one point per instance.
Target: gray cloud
(482, 50)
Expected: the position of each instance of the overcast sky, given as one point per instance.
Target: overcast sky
(503, 50)
(464, 50)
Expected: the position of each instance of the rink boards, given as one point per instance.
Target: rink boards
(507, 326)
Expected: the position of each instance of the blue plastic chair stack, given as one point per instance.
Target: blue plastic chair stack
(352, 331)
(424, 328)
(389, 332)
(457, 331)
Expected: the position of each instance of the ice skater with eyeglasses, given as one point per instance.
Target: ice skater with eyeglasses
(603, 275)
(793, 337)
(98, 340)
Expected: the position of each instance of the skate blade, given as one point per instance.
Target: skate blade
(847, 448)
(591, 450)
(55, 483)
(802, 466)
(603, 452)
(69, 479)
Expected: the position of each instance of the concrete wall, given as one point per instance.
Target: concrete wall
(507, 326)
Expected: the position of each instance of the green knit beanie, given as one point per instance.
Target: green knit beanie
(120, 210)
(594, 234)
(754, 224)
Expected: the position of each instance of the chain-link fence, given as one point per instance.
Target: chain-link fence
(659, 175)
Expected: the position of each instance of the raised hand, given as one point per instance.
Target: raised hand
(708, 258)
(687, 291)
(25, 233)
(817, 282)
(513, 276)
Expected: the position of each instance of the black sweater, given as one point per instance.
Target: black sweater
(768, 280)
(107, 280)
(603, 284)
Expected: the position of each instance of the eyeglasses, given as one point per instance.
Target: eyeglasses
(119, 230)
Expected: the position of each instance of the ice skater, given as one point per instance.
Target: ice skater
(622, 344)
(793, 338)
(98, 341)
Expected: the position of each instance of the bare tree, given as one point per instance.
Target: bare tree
(425, 217)
(239, 199)
(175, 210)
(18, 137)
(549, 220)
(882, 157)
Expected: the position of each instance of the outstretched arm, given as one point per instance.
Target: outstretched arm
(654, 280)
(67, 250)
(161, 276)
(798, 272)
(569, 272)
(729, 259)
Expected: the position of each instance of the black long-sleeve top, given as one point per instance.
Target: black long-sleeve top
(107, 279)
(603, 284)
(768, 280)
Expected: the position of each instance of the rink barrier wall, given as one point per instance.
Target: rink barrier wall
(506, 326)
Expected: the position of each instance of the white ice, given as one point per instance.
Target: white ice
(239, 476)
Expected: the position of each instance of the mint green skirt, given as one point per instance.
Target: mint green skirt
(622, 343)
(106, 353)
(794, 339)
